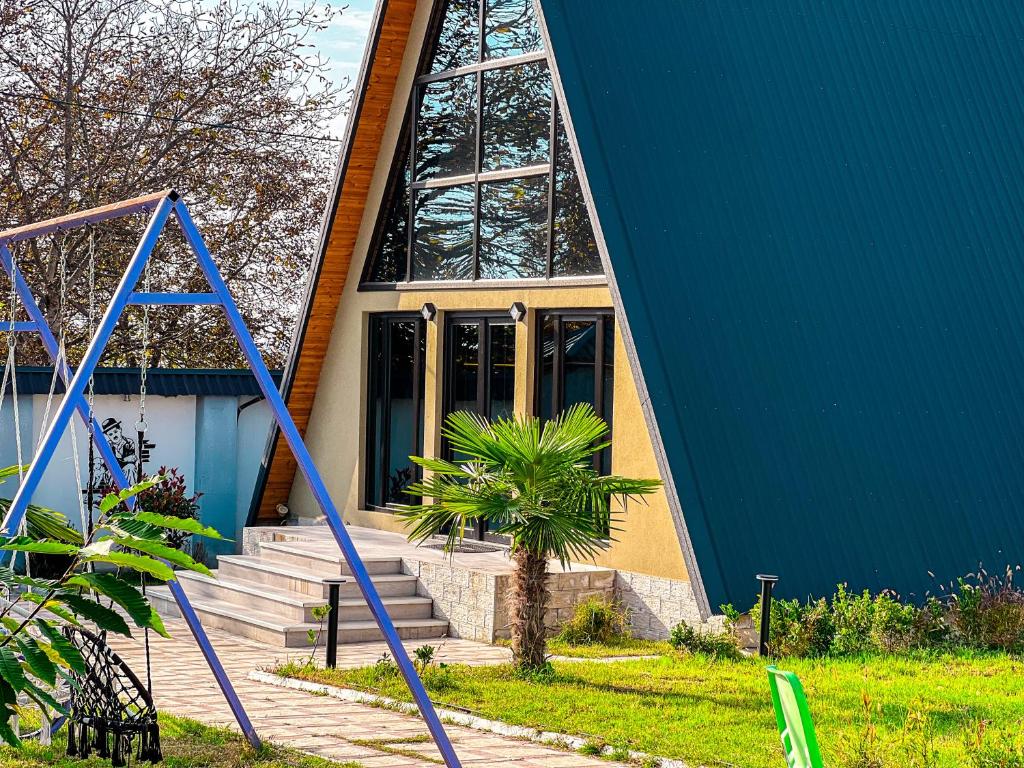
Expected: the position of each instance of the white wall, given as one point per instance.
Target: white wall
(171, 432)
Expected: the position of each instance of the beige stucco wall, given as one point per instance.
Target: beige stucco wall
(647, 541)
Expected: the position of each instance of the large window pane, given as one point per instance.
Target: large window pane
(443, 234)
(510, 28)
(513, 228)
(578, 366)
(459, 36)
(502, 372)
(465, 367)
(575, 249)
(389, 263)
(546, 406)
(446, 128)
(395, 426)
(516, 116)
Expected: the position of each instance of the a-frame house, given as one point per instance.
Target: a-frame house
(775, 244)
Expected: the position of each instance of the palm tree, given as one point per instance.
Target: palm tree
(535, 484)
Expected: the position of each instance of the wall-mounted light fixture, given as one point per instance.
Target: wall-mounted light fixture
(429, 312)
(517, 311)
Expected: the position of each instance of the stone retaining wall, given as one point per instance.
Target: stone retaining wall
(655, 604)
(476, 604)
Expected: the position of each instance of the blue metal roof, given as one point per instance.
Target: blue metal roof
(167, 382)
(815, 215)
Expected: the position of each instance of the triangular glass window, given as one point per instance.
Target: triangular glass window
(391, 242)
(490, 191)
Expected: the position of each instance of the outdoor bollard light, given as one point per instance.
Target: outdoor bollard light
(333, 594)
(767, 584)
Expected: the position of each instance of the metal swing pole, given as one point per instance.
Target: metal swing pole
(74, 398)
(316, 484)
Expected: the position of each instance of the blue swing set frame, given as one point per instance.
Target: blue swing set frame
(163, 205)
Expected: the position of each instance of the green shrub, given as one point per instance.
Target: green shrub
(892, 624)
(595, 620)
(987, 612)
(715, 645)
(797, 629)
(931, 626)
(852, 618)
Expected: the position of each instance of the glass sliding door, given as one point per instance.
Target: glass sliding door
(575, 365)
(394, 431)
(480, 369)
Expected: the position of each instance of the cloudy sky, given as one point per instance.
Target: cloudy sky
(343, 43)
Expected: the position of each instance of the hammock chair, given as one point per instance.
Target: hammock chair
(110, 708)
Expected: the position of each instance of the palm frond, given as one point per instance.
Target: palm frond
(536, 484)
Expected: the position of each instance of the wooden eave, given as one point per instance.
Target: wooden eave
(375, 92)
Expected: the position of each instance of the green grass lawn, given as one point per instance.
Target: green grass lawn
(626, 647)
(185, 744)
(719, 713)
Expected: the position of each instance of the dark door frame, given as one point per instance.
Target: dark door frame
(482, 320)
(377, 481)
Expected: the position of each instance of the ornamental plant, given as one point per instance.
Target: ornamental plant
(169, 496)
(33, 649)
(535, 484)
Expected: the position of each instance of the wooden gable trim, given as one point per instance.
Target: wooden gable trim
(374, 94)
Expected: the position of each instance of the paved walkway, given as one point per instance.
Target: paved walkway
(323, 726)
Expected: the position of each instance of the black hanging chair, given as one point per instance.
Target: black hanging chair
(110, 707)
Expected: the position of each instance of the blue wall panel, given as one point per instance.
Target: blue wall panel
(815, 215)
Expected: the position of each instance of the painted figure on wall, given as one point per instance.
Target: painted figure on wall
(125, 449)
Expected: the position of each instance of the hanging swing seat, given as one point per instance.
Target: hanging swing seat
(110, 707)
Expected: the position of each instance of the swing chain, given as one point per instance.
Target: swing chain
(142, 426)
(92, 306)
(12, 301)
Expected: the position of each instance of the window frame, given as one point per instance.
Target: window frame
(372, 484)
(407, 141)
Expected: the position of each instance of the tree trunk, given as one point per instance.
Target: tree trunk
(529, 603)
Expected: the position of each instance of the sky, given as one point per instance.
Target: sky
(343, 42)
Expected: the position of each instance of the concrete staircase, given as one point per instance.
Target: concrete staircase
(270, 596)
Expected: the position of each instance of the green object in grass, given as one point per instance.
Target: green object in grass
(793, 717)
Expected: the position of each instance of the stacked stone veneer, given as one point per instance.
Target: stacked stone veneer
(656, 604)
(476, 604)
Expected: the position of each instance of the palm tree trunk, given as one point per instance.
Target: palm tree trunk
(529, 604)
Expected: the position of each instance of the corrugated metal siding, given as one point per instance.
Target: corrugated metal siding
(815, 213)
(168, 382)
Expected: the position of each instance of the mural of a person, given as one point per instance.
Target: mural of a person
(125, 449)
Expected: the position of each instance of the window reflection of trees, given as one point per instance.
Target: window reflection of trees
(513, 228)
(510, 29)
(458, 41)
(511, 106)
(574, 249)
(446, 128)
(444, 234)
(516, 116)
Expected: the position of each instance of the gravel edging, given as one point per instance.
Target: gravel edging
(457, 717)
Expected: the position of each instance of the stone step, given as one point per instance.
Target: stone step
(296, 606)
(273, 630)
(323, 560)
(275, 575)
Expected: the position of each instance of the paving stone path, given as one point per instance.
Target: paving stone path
(323, 726)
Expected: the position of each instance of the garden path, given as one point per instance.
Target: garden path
(323, 726)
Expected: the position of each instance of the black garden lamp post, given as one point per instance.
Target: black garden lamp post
(767, 585)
